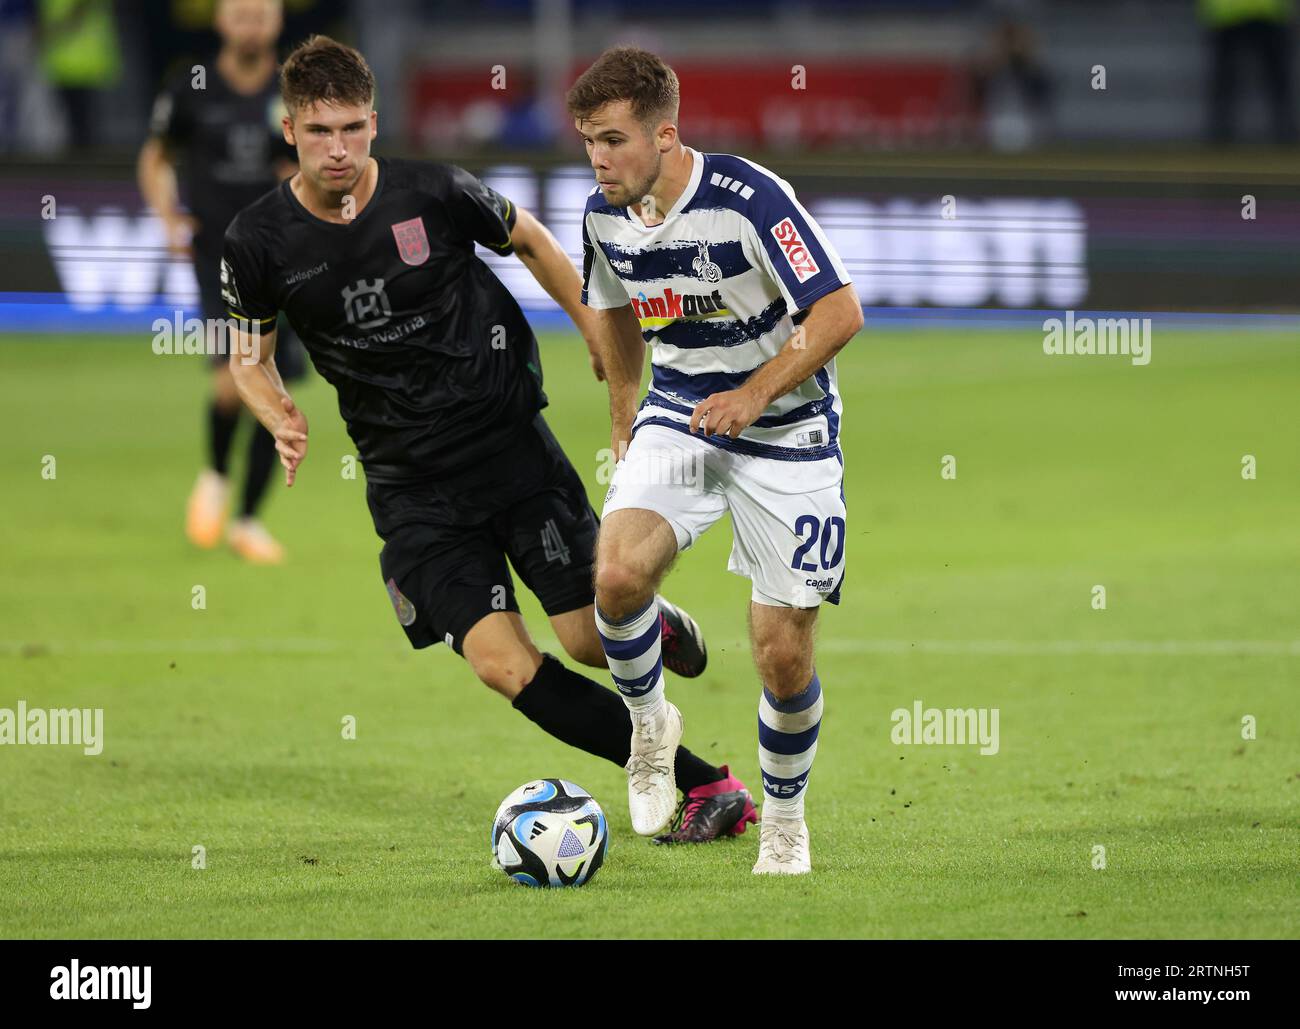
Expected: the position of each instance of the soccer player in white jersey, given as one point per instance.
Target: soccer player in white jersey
(712, 261)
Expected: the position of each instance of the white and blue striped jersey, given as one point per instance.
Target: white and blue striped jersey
(718, 288)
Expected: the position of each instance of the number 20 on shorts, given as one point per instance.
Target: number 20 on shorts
(831, 530)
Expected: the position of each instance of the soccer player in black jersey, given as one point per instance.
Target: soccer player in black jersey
(440, 384)
(221, 122)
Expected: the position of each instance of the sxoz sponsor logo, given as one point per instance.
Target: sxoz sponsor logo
(949, 726)
(1130, 337)
(77, 727)
(102, 982)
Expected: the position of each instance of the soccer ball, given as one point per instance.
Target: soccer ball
(550, 832)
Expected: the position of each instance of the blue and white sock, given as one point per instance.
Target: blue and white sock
(632, 650)
(787, 743)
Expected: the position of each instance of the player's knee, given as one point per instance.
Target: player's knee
(620, 588)
(786, 671)
(506, 671)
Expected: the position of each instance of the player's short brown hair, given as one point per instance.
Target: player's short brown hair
(322, 69)
(632, 74)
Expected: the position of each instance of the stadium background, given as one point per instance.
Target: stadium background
(970, 592)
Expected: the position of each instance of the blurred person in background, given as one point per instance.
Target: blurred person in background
(225, 128)
(1244, 32)
(79, 55)
(1013, 89)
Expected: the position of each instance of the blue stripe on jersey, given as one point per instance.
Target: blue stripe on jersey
(696, 387)
(679, 261)
(749, 447)
(693, 335)
(832, 419)
(768, 421)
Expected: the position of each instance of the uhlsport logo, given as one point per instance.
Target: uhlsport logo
(366, 304)
(797, 255)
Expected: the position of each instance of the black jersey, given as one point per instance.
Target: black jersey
(227, 145)
(435, 365)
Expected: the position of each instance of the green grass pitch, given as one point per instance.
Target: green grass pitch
(1119, 728)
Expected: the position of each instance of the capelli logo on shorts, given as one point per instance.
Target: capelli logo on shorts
(821, 585)
(119, 982)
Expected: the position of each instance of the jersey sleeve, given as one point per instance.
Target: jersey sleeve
(791, 247)
(480, 212)
(244, 280)
(170, 119)
(601, 287)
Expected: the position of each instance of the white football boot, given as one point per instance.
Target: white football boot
(651, 779)
(783, 847)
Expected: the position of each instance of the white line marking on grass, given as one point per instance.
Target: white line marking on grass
(1004, 648)
(1053, 648)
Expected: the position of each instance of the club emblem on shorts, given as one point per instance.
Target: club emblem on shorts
(403, 606)
(553, 543)
(412, 243)
(704, 268)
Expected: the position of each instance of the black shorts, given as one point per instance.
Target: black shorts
(290, 361)
(447, 544)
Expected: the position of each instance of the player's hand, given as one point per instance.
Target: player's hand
(291, 439)
(180, 230)
(597, 366)
(726, 414)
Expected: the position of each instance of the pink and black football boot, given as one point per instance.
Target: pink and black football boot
(681, 642)
(721, 808)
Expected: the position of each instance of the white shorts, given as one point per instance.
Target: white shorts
(787, 517)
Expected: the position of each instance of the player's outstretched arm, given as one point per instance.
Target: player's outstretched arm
(252, 364)
(550, 266)
(621, 348)
(832, 321)
(156, 175)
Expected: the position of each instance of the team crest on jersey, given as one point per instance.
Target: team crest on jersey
(704, 268)
(796, 252)
(403, 606)
(412, 243)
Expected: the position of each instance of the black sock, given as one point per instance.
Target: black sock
(261, 462)
(591, 717)
(221, 430)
